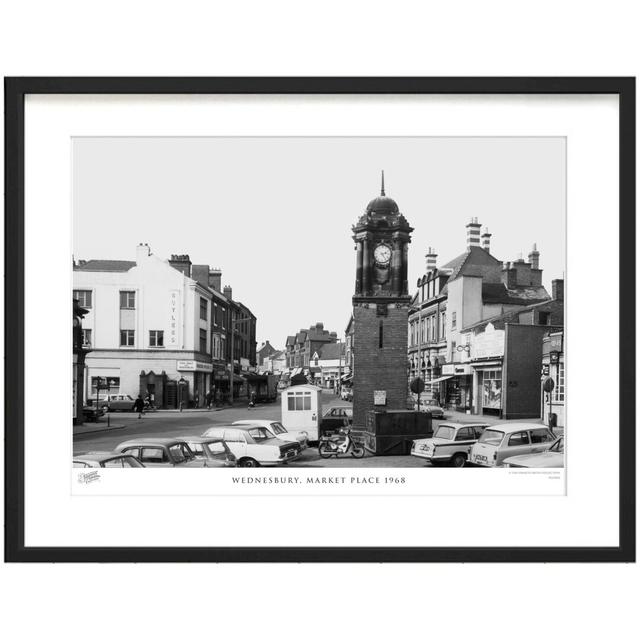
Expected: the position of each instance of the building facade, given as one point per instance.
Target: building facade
(327, 364)
(156, 327)
(473, 287)
(300, 348)
(553, 367)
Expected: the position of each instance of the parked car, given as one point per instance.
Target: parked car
(450, 444)
(340, 412)
(161, 452)
(435, 410)
(255, 446)
(92, 413)
(106, 459)
(117, 402)
(553, 457)
(214, 451)
(506, 440)
(278, 431)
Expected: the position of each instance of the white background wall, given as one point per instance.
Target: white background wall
(287, 38)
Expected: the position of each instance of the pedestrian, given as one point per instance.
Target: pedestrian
(197, 400)
(252, 399)
(207, 399)
(138, 406)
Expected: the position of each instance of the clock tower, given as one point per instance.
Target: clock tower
(380, 308)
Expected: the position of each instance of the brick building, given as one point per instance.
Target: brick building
(467, 290)
(300, 347)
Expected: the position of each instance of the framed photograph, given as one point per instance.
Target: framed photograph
(364, 316)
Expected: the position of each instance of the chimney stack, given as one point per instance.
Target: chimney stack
(228, 291)
(215, 279)
(534, 258)
(431, 257)
(473, 233)
(557, 289)
(142, 252)
(486, 240)
(182, 263)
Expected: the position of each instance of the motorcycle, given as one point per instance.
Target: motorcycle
(340, 444)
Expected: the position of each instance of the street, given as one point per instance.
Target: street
(171, 423)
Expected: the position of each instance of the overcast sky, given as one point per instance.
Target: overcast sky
(275, 214)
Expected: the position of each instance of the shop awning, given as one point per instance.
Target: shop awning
(435, 380)
(347, 377)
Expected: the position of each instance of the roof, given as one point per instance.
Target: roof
(290, 340)
(99, 456)
(498, 293)
(201, 439)
(511, 313)
(332, 351)
(104, 265)
(516, 426)
(472, 262)
(479, 423)
(150, 441)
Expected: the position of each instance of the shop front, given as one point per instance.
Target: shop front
(198, 376)
(458, 387)
(488, 386)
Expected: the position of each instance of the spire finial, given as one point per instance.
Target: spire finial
(382, 193)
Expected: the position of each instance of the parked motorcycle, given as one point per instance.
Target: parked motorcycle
(340, 444)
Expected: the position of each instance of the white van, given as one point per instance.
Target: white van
(302, 409)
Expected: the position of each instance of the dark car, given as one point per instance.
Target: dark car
(91, 413)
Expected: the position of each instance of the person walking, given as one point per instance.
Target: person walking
(138, 406)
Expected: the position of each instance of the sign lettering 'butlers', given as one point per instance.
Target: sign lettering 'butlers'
(174, 314)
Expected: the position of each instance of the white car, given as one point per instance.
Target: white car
(503, 441)
(278, 431)
(552, 458)
(255, 446)
(450, 443)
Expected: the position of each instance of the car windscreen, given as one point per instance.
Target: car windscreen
(491, 436)
(444, 432)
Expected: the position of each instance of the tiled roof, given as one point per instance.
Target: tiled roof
(332, 351)
(497, 293)
(290, 340)
(508, 314)
(104, 265)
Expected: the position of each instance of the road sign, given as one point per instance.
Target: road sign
(417, 385)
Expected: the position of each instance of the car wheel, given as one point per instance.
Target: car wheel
(459, 460)
(248, 462)
(105, 408)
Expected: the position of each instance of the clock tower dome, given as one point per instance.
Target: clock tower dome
(380, 308)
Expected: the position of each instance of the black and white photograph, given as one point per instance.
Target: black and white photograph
(318, 302)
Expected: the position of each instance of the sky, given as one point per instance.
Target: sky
(275, 214)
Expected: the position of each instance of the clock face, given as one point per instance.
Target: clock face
(382, 254)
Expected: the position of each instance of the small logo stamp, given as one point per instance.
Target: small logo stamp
(88, 477)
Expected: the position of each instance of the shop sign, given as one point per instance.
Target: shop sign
(174, 304)
(194, 365)
(488, 344)
(244, 364)
(456, 370)
(379, 398)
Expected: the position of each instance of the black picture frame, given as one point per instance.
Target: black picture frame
(15, 91)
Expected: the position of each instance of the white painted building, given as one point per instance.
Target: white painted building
(148, 327)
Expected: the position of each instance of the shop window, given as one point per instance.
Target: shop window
(83, 297)
(492, 389)
(127, 338)
(558, 391)
(127, 299)
(156, 338)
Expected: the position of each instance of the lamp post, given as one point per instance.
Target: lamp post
(234, 322)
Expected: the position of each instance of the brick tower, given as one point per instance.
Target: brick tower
(380, 307)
